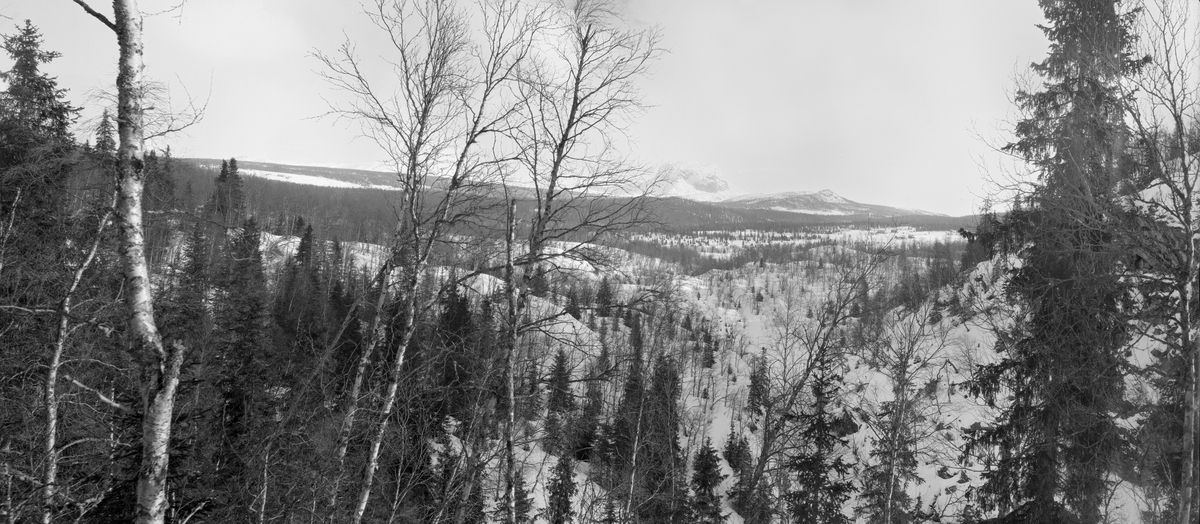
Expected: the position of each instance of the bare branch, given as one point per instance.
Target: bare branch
(103, 19)
(101, 396)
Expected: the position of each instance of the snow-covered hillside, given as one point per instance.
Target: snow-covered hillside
(330, 177)
(773, 320)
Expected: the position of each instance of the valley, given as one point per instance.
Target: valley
(596, 281)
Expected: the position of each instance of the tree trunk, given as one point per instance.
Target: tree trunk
(10, 514)
(160, 370)
(1187, 488)
(159, 404)
(374, 334)
(50, 470)
(389, 401)
(510, 475)
(262, 492)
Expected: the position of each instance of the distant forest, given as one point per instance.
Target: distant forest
(369, 215)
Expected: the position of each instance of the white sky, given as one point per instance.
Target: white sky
(881, 101)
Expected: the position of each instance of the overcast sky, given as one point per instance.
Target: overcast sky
(882, 101)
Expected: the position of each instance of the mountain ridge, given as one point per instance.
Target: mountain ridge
(683, 180)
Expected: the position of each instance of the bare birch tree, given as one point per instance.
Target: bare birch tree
(450, 98)
(160, 365)
(1165, 224)
(801, 345)
(911, 352)
(574, 98)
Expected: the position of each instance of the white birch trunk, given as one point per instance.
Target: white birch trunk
(160, 370)
(389, 401)
(510, 423)
(1187, 488)
(374, 335)
(50, 469)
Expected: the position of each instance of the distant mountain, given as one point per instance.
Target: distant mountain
(824, 202)
(703, 183)
(680, 181)
(698, 182)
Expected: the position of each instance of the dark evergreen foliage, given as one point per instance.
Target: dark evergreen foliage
(604, 298)
(759, 387)
(737, 451)
(664, 472)
(589, 422)
(822, 482)
(1060, 365)
(706, 478)
(523, 505)
(561, 490)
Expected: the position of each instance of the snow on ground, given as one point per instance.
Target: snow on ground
(722, 244)
(728, 299)
(309, 180)
(715, 399)
(808, 211)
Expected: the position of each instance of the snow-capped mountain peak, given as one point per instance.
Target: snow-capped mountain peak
(694, 181)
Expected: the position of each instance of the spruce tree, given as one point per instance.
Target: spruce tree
(248, 369)
(160, 181)
(737, 451)
(185, 312)
(455, 365)
(664, 468)
(573, 307)
(227, 204)
(562, 489)
(706, 478)
(539, 284)
(33, 102)
(589, 421)
(106, 143)
(36, 143)
(709, 358)
(304, 251)
(630, 413)
(821, 476)
(561, 399)
(523, 503)
(604, 298)
(1061, 363)
(636, 343)
(757, 398)
(559, 406)
(300, 306)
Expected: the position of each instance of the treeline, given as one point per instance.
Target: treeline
(366, 215)
(681, 215)
(358, 215)
(689, 255)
